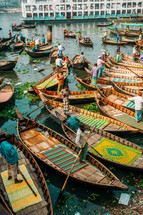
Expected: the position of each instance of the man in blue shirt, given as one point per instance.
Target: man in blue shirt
(9, 152)
(73, 123)
(43, 40)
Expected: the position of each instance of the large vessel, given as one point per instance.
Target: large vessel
(79, 9)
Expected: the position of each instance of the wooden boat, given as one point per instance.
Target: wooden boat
(50, 81)
(126, 63)
(2, 79)
(118, 112)
(112, 31)
(41, 203)
(76, 97)
(56, 112)
(69, 34)
(4, 39)
(76, 62)
(83, 42)
(38, 54)
(116, 97)
(45, 47)
(6, 45)
(107, 41)
(92, 173)
(29, 26)
(121, 69)
(104, 25)
(124, 39)
(6, 93)
(18, 45)
(7, 65)
(111, 146)
(131, 34)
(15, 28)
(108, 80)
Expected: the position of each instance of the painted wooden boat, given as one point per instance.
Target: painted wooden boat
(127, 82)
(29, 26)
(126, 63)
(76, 97)
(122, 70)
(112, 31)
(69, 34)
(56, 112)
(111, 144)
(38, 54)
(50, 81)
(26, 159)
(104, 25)
(107, 41)
(15, 28)
(18, 45)
(6, 45)
(53, 55)
(92, 172)
(76, 62)
(45, 47)
(124, 39)
(131, 34)
(118, 112)
(4, 39)
(6, 93)
(7, 65)
(82, 42)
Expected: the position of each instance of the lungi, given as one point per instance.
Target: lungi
(94, 81)
(101, 70)
(83, 153)
(66, 106)
(138, 115)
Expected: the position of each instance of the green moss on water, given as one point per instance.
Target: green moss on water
(80, 87)
(39, 61)
(21, 91)
(23, 53)
(31, 58)
(91, 107)
(8, 112)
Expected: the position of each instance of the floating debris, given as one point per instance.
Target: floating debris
(124, 199)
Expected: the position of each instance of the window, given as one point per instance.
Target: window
(75, 6)
(28, 8)
(96, 6)
(85, 6)
(34, 14)
(79, 13)
(62, 7)
(29, 15)
(45, 7)
(40, 14)
(91, 6)
(40, 7)
(102, 12)
(46, 14)
(96, 13)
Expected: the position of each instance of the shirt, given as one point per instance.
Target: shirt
(100, 63)
(65, 94)
(80, 137)
(37, 41)
(60, 78)
(73, 123)
(138, 102)
(134, 50)
(60, 47)
(95, 71)
(9, 152)
(117, 35)
(59, 62)
(82, 57)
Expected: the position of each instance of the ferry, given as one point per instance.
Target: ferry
(44, 10)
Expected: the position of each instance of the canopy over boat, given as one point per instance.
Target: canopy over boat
(132, 24)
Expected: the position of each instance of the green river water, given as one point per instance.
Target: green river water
(80, 198)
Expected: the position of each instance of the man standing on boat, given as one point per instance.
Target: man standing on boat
(100, 63)
(60, 78)
(138, 106)
(94, 73)
(118, 54)
(60, 51)
(37, 43)
(80, 140)
(9, 152)
(72, 122)
(117, 36)
(65, 93)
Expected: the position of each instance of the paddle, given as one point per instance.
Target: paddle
(75, 134)
(41, 70)
(133, 72)
(36, 109)
(21, 51)
(27, 183)
(65, 183)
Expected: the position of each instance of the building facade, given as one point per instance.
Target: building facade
(70, 9)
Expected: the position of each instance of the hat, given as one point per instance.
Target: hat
(103, 52)
(99, 57)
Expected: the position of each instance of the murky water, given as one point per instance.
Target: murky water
(80, 198)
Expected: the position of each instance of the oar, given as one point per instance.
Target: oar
(75, 134)
(65, 183)
(21, 50)
(27, 183)
(35, 109)
(44, 68)
(133, 72)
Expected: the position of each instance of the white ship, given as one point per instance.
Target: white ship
(79, 9)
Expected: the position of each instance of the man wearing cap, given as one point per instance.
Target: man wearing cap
(138, 106)
(65, 93)
(100, 63)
